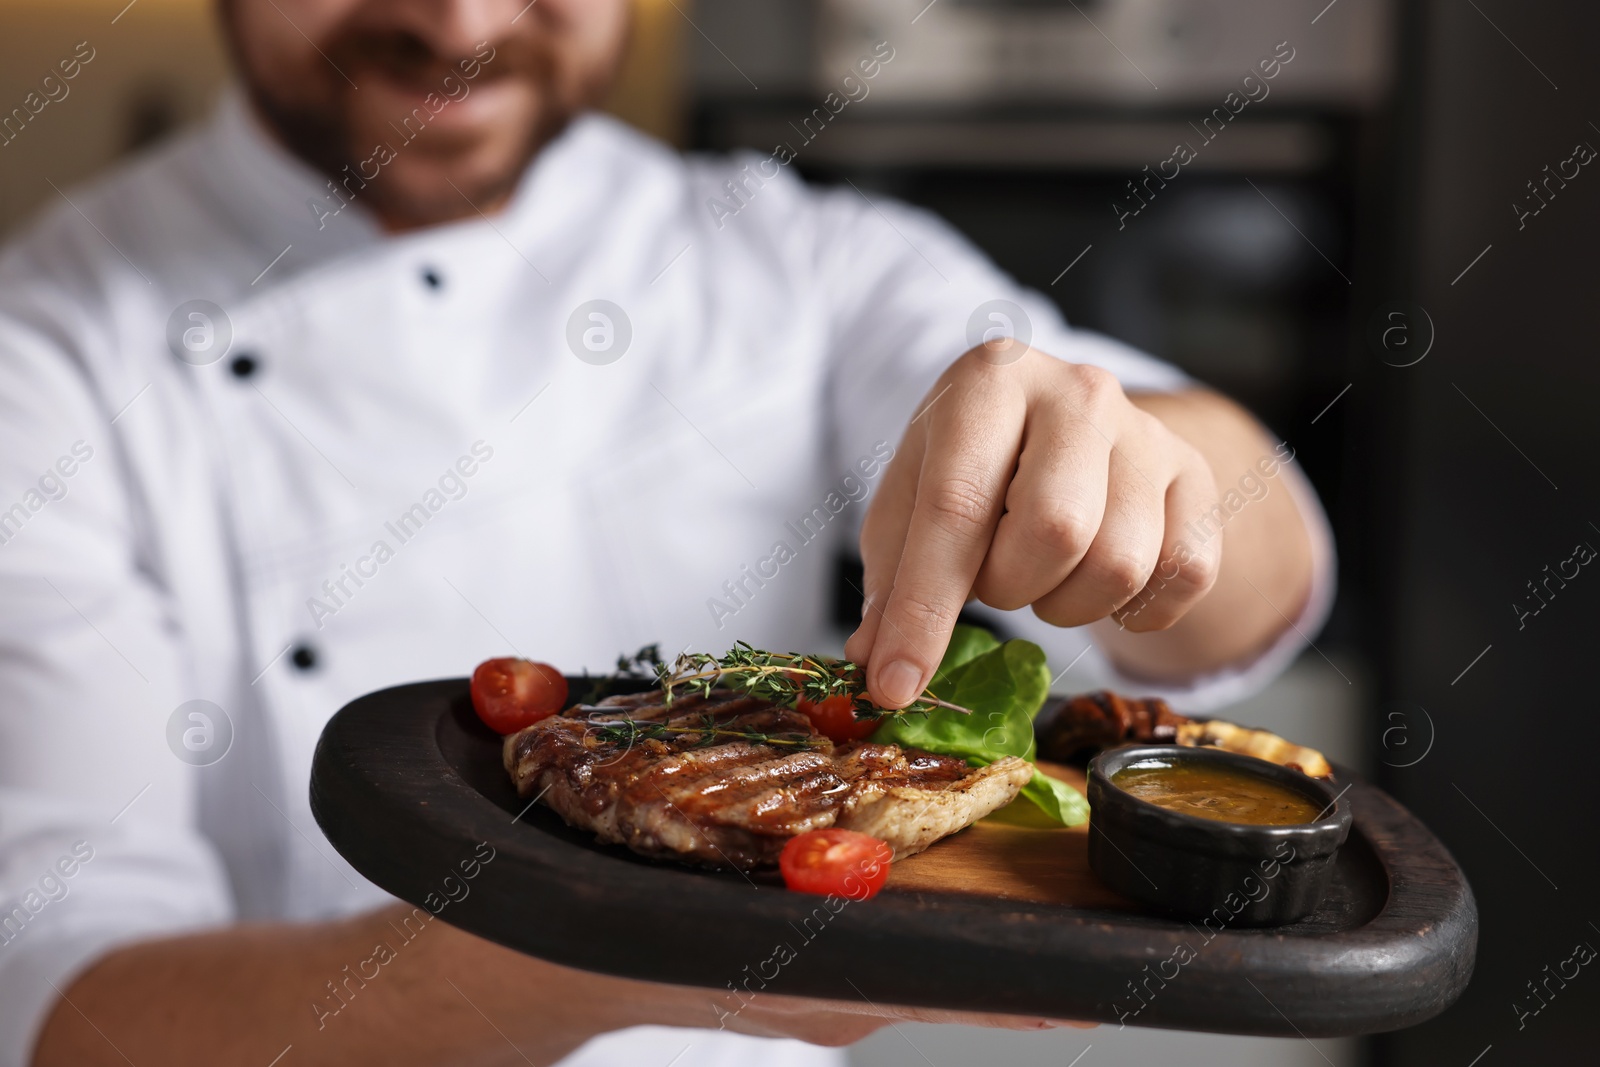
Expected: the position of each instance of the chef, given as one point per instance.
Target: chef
(408, 359)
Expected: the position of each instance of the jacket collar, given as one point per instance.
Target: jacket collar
(268, 194)
(266, 191)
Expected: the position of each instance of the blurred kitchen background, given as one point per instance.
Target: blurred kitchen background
(1355, 256)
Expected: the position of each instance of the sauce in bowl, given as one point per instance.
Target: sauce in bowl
(1216, 792)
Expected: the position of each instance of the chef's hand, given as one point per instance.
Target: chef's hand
(1027, 481)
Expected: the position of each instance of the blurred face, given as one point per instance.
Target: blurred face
(438, 105)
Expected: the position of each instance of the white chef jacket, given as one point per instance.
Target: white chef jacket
(178, 529)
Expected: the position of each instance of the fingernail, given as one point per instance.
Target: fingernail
(901, 682)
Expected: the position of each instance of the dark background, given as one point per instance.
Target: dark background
(1460, 518)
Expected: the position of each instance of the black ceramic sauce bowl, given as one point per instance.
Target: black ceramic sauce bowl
(1223, 873)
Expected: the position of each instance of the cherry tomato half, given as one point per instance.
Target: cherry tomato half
(837, 862)
(509, 694)
(836, 717)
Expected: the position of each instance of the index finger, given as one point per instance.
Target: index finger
(883, 535)
(968, 456)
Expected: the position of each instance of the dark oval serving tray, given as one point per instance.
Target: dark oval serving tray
(407, 783)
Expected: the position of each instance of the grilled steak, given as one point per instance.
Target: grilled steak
(670, 786)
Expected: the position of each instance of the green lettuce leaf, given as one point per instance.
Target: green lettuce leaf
(1004, 685)
(1056, 799)
(966, 643)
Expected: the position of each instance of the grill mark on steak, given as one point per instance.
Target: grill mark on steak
(737, 802)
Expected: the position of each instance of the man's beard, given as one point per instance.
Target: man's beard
(328, 131)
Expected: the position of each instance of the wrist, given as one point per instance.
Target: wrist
(537, 1004)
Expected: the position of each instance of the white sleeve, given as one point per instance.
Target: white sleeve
(902, 288)
(905, 293)
(98, 844)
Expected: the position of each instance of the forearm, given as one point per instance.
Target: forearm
(1266, 568)
(246, 993)
(241, 995)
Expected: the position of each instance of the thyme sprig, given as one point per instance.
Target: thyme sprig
(706, 732)
(780, 677)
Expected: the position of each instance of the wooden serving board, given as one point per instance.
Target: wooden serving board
(1014, 854)
(1005, 916)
